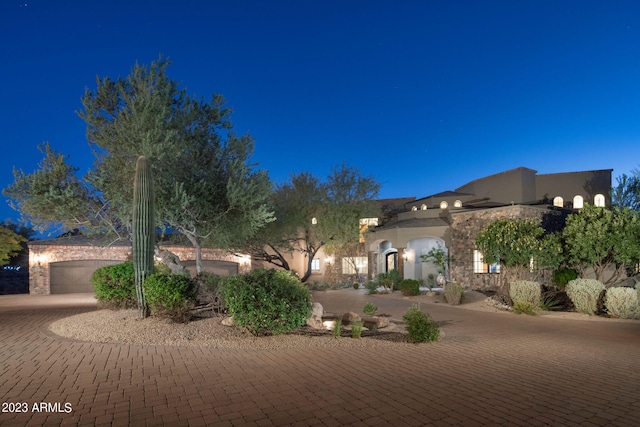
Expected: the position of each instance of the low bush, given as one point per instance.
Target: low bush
(370, 309)
(453, 293)
(389, 280)
(372, 287)
(267, 301)
(562, 276)
(170, 295)
(621, 302)
(585, 294)
(337, 328)
(115, 286)
(525, 291)
(410, 287)
(524, 307)
(420, 326)
(356, 329)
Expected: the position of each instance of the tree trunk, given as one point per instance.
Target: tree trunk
(195, 242)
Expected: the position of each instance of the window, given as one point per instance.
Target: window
(423, 207)
(444, 205)
(599, 200)
(315, 264)
(558, 201)
(457, 204)
(350, 264)
(578, 202)
(414, 208)
(480, 267)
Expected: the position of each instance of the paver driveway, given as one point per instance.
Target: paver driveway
(490, 369)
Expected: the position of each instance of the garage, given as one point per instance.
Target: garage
(220, 268)
(69, 277)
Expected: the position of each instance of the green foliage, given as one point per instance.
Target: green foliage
(337, 204)
(410, 287)
(604, 239)
(267, 301)
(389, 280)
(10, 244)
(626, 194)
(420, 326)
(372, 287)
(562, 276)
(356, 329)
(453, 293)
(114, 286)
(525, 291)
(337, 328)
(549, 302)
(439, 257)
(514, 242)
(370, 309)
(170, 295)
(524, 307)
(622, 302)
(356, 285)
(585, 294)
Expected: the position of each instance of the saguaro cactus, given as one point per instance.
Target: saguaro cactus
(143, 229)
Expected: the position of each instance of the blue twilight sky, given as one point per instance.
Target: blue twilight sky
(425, 95)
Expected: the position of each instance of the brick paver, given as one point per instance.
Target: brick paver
(490, 369)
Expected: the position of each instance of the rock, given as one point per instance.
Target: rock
(350, 317)
(375, 322)
(315, 321)
(172, 261)
(228, 321)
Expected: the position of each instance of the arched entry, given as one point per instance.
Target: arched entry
(391, 261)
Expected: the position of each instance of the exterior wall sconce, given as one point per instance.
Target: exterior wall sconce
(405, 256)
(314, 220)
(328, 260)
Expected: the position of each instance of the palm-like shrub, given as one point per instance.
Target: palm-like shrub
(585, 294)
(267, 301)
(621, 302)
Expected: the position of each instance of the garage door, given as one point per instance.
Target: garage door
(68, 277)
(221, 268)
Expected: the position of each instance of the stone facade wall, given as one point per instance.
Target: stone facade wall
(41, 257)
(465, 226)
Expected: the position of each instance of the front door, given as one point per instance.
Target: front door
(392, 259)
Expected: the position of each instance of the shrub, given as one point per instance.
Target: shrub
(562, 276)
(356, 329)
(525, 291)
(453, 293)
(372, 287)
(337, 328)
(550, 302)
(410, 287)
(370, 309)
(420, 326)
(115, 286)
(267, 301)
(356, 285)
(585, 294)
(520, 307)
(621, 302)
(387, 280)
(170, 295)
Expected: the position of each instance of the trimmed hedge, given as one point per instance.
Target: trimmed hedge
(267, 301)
(115, 286)
(170, 295)
(525, 291)
(410, 287)
(585, 294)
(622, 302)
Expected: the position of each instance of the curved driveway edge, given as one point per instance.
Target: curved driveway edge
(491, 369)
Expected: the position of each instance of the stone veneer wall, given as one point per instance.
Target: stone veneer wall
(41, 256)
(465, 226)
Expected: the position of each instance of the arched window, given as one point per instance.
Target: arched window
(598, 200)
(578, 202)
(444, 204)
(423, 207)
(413, 208)
(457, 204)
(558, 201)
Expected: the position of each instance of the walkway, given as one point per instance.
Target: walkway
(490, 369)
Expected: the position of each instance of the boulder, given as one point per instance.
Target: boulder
(375, 322)
(315, 321)
(228, 321)
(350, 317)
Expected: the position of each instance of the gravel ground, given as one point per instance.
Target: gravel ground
(107, 326)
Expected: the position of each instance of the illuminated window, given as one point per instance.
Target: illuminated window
(315, 265)
(414, 208)
(355, 265)
(578, 202)
(444, 205)
(599, 200)
(479, 265)
(457, 204)
(558, 201)
(423, 207)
